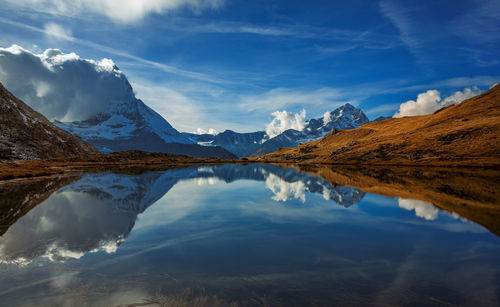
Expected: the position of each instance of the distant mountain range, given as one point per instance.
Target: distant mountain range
(258, 143)
(465, 134)
(112, 119)
(27, 134)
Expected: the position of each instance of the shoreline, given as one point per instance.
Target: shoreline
(28, 169)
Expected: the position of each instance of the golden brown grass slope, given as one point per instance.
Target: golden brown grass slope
(467, 134)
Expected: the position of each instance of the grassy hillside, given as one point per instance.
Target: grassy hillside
(467, 134)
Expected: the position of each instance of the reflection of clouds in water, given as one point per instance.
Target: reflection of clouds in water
(97, 212)
(205, 181)
(93, 214)
(284, 191)
(422, 209)
(67, 225)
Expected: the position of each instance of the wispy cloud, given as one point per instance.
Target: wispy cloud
(120, 53)
(383, 88)
(284, 98)
(383, 109)
(472, 25)
(123, 11)
(483, 16)
(55, 30)
(182, 111)
(401, 17)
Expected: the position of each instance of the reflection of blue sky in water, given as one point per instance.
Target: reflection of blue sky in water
(236, 225)
(98, 212)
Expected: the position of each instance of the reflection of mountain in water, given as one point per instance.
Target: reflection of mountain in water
(98, 211)
(285, 182)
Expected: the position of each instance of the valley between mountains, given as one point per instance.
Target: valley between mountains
(461, 135)
(124, 131)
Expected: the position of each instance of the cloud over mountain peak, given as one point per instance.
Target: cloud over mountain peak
(63, 86)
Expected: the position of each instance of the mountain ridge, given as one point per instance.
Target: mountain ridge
(257, 143)
(463, 134)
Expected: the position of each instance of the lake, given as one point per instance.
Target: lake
(252, 235)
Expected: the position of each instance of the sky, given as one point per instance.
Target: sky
(232, 64)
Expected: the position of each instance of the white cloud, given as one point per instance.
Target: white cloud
(122, 11)
(426, 103)
(422, 209)
(460, 96)
(69, 235)
(58, 31)
(284, 120)
(63, 86)
(431, 101)
(203, 131)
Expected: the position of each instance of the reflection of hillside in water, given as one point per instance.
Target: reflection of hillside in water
(473, 194)
(97, 212)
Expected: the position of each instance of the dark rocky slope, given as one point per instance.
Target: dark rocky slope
(26, 134)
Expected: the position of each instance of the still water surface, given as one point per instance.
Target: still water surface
(242, 235)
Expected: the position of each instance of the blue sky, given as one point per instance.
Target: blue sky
(228, 64)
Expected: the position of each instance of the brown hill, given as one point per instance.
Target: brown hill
(467, 134)
(26, 134)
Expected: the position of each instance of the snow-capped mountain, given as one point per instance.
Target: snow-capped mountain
(94, 100)
(258, 143)
(344, 117)
(128, 124)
